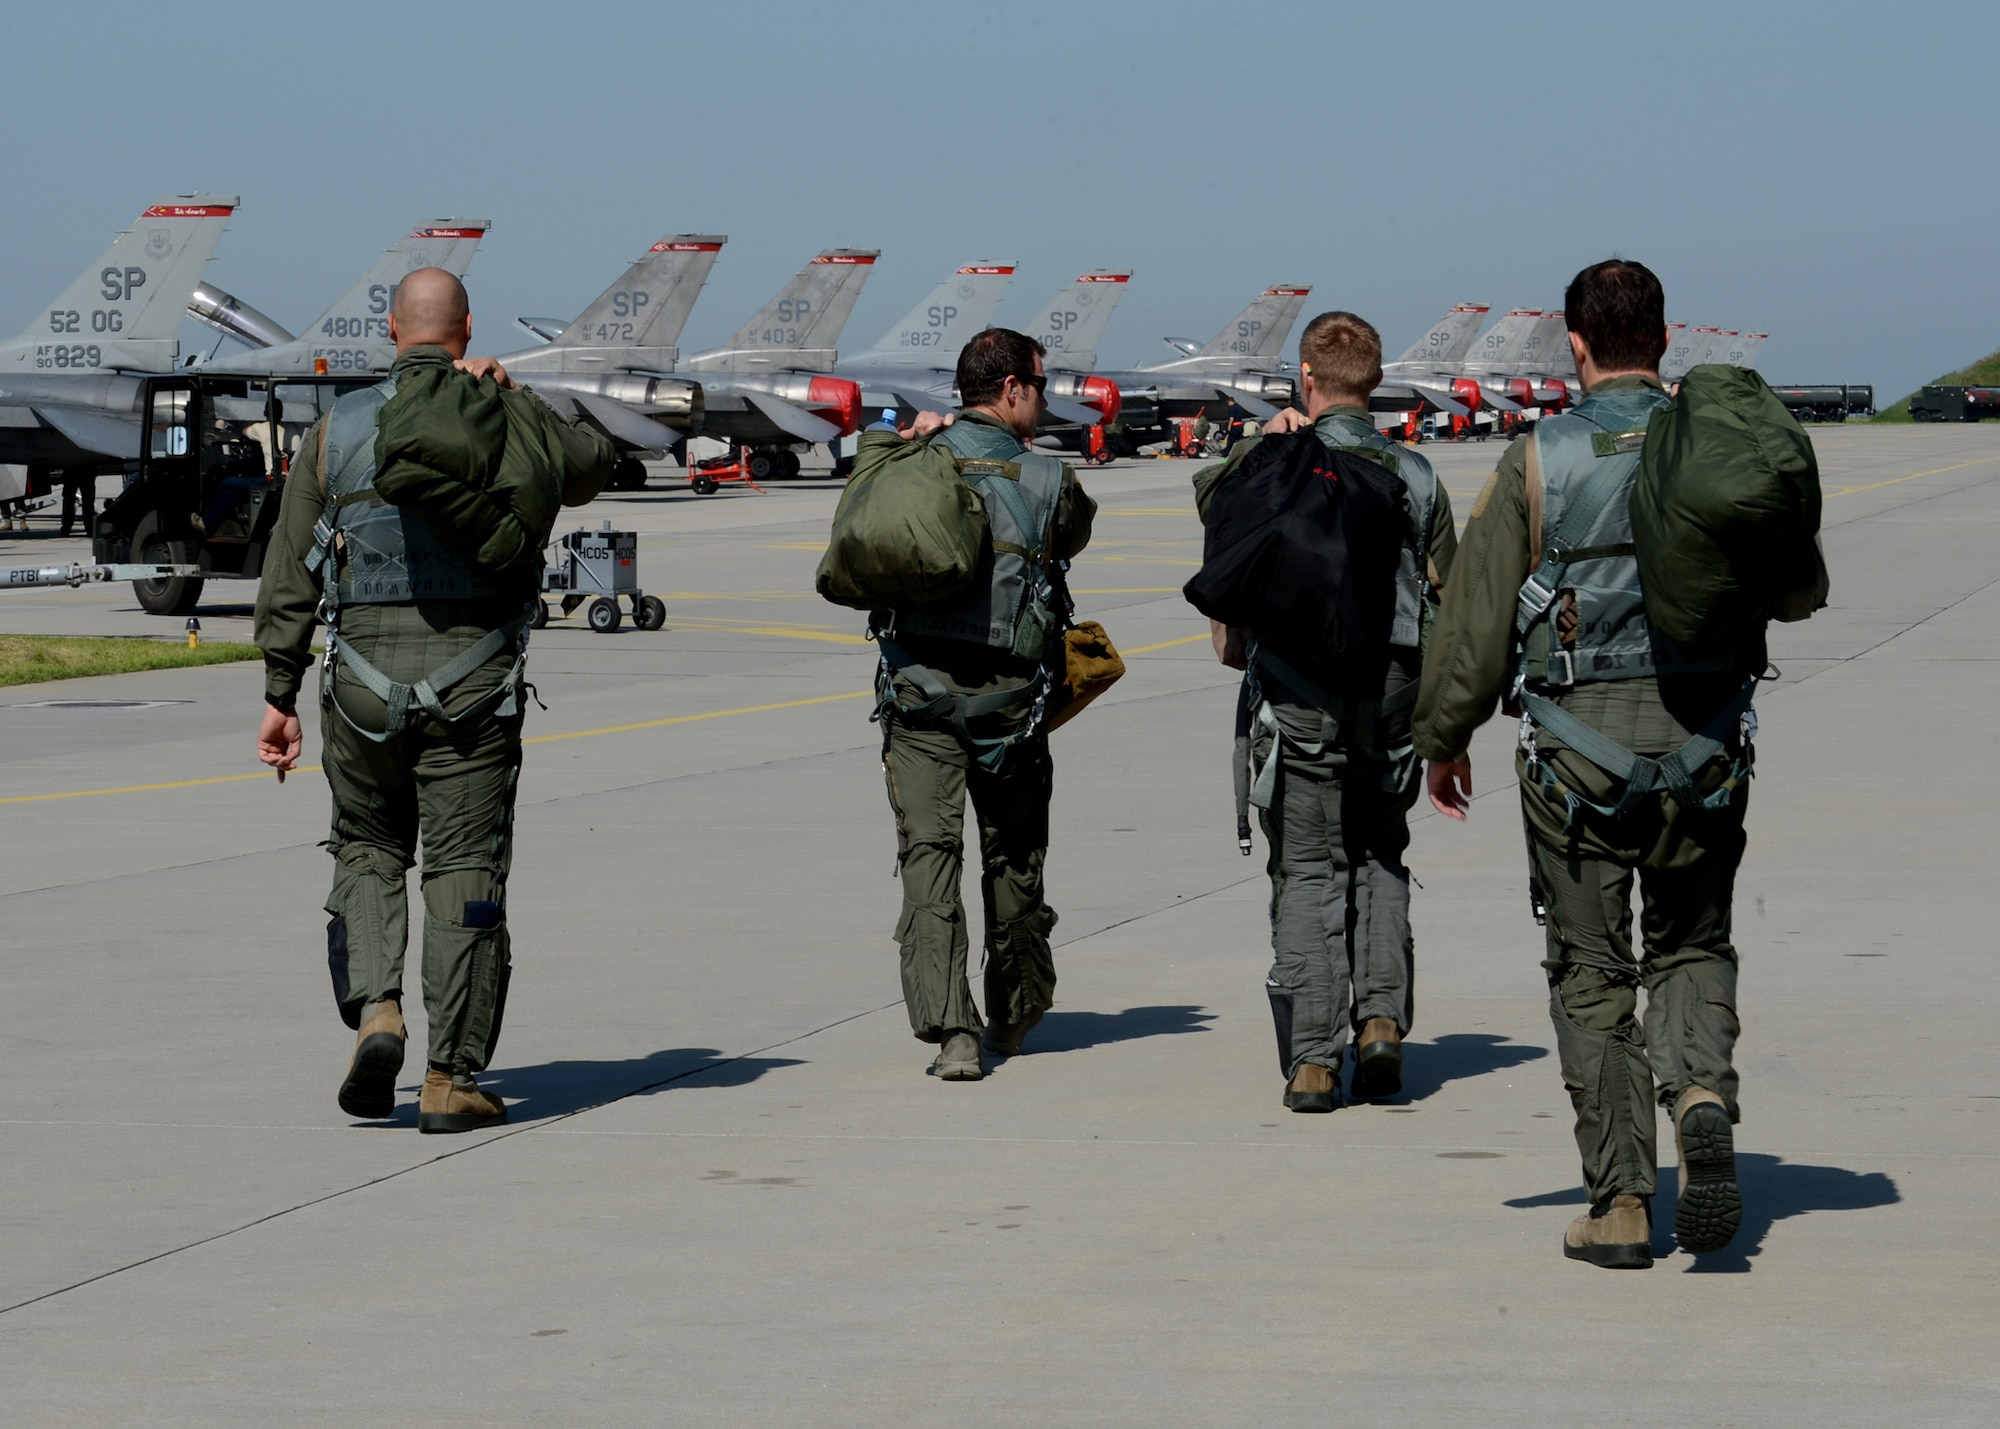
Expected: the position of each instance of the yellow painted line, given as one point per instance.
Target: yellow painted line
(1167, 644)
(1148, 561)
(1145, 511)
(532, 739)
(781, 632)
(798, 546)
(150, 788)
(1898, 480)
(696, 718)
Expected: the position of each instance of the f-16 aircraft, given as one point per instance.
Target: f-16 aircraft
(610, 363)
(69, 399)
(1431, 375)
(915, 363)
(769, 386)
(1239, 366)
(353, 334)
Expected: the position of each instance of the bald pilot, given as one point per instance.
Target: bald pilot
(414, 518)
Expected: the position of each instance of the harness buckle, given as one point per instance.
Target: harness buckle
(1534, 600)
(1568, 668)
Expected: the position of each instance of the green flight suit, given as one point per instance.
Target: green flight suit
(1337, 823)
(929, 772)
(448, 785)
(1684, 862)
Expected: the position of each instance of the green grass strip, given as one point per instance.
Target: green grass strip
(1983, 373)
(30, 659)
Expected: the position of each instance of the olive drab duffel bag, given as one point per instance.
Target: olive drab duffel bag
(1302, 548)
(1725, 511)
(909, 529)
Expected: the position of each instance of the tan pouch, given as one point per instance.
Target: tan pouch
(1091, 665)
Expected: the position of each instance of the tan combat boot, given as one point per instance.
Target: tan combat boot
(1378, 1060)
(1616, 1234)
(1711, 1202)
(452, 1101)
(1312, 1088)
(958, 1060)
(369, 1093)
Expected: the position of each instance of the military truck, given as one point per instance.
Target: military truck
(1955, 404)
(213, 458)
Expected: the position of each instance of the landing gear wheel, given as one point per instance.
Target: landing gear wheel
(540, 618)
(652, 613)
(628, 475)
(604, 615)
(175, 595)
(788, 465)
(704, 486)
(762, 465)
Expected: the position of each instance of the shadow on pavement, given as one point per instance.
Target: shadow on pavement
(1073, 1031)
(1456, 1057)
(557, 1088)
(1773, 1190)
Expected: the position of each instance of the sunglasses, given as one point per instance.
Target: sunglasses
(1037, 381)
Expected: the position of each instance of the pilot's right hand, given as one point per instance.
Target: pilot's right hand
(279, 741)
(1289, 420)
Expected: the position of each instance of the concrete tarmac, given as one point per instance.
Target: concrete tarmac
(1122, 1225)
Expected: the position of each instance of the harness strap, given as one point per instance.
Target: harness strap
(1538, 592)
(956, 710)
(1642, 775)
(429, 691)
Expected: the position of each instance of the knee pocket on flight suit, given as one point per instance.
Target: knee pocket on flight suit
(468, 964)
(367, 917)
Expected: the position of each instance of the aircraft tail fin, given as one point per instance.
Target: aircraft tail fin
(125, 310)
(1503, 342)
(1260, 330)
(642, 314)
(1748, 347)
(1073, 323)
(362, 312)
(1449, 339)
(809, 313)
(956, 309)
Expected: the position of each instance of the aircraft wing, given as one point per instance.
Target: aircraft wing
(542, 329)
(921, 400)
(117, 436)
(1064, 411)
(1255, 406)
(796, 420)
(620, 421)
(1446, 400)
(1435, 397)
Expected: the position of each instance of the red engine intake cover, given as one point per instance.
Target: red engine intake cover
(1102, 394)
(838, 401)
(1558, 391)
(1522, 392)
(1466, 389)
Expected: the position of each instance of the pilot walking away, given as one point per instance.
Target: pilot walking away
(412, 523)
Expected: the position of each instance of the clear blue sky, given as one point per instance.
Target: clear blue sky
(1821, 171)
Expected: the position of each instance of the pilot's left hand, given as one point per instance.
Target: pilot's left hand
(925, 424)
(483, 367)
(1289, 420)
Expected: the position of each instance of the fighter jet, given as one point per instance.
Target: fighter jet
(769, 386)
(609, 364)
(353, 334)
(1239, 366)
(69, 384)
(1430, 375)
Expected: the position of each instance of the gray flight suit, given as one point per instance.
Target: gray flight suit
(1336, 816)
